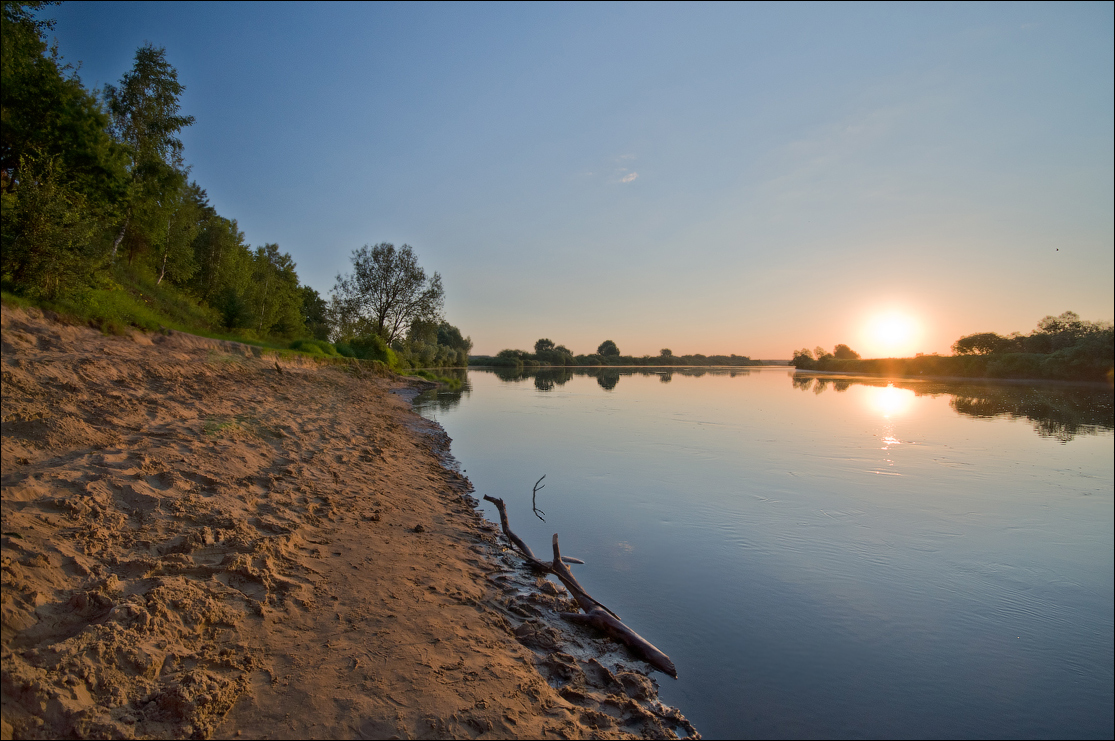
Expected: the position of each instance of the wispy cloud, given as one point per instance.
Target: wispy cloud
(629, 177)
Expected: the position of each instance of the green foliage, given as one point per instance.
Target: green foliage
(315, 347)
(47, 114)
(314, 313)
(433, 345)
(47, 234)
(374, 347)
(222, 257)
(608, 349)
(273, 295)
(145, 119)
(387, 290)
(81, 180)
(145, 110)
(843, 352)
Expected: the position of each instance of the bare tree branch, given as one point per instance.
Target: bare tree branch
(534, 499)
(595, 613)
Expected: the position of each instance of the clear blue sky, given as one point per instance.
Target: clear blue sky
(722, 178)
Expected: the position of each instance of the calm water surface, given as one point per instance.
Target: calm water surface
(826, 557)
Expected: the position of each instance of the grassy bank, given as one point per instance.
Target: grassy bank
(125, 300)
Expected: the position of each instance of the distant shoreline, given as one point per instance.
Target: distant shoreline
(966, 379)
(663, 367)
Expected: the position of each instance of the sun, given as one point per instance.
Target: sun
(892, 334)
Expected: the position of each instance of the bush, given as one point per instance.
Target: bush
(315, 347)
(48, 234)
(373, 347)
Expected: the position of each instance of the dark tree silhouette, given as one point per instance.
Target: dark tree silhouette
(608, 349)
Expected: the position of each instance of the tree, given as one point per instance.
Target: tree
(1067, 323)
(221, 255)
(49, 114)
(45, 233)
(274, 297)
(387, 290)
(608, 349)
(543, 345)
(314, 313)
(666, 352)
(145, 117)
(981, 343)
(450, 336)
(843, 352)
(803, 359)
(182, 210)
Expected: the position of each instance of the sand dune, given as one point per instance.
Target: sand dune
(199, 540)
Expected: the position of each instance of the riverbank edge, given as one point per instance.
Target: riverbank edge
(587, 668)
(599, 683)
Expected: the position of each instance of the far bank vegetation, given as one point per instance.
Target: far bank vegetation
(1064, 348)
(548, 354)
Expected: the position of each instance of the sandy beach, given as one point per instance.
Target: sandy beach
(201, 540)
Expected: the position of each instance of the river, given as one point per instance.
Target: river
(825, 556)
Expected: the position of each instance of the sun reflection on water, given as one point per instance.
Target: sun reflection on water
(889, 401)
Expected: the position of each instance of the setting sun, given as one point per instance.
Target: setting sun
(892, 335)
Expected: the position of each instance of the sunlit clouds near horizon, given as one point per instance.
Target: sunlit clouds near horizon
(746, 179)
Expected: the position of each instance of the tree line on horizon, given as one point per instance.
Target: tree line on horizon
(1063, 347)
(101, 220)
(547, 353)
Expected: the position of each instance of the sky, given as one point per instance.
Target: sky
(745, 179)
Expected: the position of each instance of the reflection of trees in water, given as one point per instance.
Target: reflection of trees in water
(511, 375)
(560, 375)
(820, 385)
(546, 379)
(1060, 412)
(443, 398)
(608, 378)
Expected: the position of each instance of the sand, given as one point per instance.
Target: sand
(203, 540)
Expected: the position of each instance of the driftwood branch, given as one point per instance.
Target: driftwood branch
(515, 539)
(604, 619)
(534, 499)
(596, 614)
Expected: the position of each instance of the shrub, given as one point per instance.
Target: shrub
(373, 347)
(314, 347)
(48, 234)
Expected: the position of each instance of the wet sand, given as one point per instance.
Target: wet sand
(203, 540)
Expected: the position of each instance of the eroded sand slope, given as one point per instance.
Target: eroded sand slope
(199, 541)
